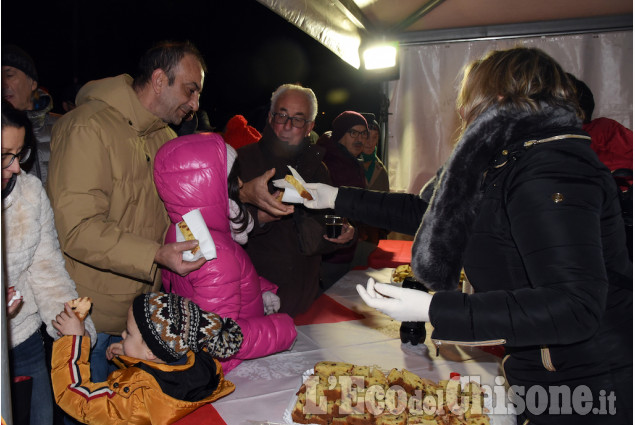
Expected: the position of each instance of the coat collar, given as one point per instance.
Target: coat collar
(455, 193)
(118, 93)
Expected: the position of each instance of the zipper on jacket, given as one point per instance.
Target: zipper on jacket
(545, 355)
(490, 342)
(531, 143)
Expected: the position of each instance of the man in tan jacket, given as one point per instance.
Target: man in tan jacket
(110, 220)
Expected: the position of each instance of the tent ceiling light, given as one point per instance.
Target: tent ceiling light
(380, 56)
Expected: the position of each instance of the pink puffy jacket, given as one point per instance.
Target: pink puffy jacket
(190, 172)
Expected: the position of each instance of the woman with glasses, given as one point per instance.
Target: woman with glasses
(34, 265)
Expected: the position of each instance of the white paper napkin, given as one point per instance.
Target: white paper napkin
(290, 195)
(196, 223)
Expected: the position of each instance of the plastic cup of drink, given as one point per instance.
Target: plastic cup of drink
(334, 226)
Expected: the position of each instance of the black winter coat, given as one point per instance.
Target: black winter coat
(541, 240)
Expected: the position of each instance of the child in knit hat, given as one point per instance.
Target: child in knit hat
(166, 360)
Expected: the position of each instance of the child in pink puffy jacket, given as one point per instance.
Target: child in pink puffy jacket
(195, 172)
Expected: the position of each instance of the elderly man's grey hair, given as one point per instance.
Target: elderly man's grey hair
(313, 105)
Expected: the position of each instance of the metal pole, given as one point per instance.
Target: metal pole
(383, 122)
(5, 377)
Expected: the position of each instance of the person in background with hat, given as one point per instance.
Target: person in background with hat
(376, 179)
(167, 363)
(374, 170)
(20, 88)
(343, 146)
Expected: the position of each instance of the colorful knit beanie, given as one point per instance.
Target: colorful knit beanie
(344, 121)
(16, 57)
(172, 325)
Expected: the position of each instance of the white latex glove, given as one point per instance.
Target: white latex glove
(402, 304)
(271, 302)
(323, 196)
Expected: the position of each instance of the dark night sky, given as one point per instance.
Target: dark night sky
(249, 50)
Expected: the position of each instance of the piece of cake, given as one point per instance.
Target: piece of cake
(376, 377)
(326, 368)
(363, 371)
(395, 377)
(412, 382)
(388, 419)
(362, 419)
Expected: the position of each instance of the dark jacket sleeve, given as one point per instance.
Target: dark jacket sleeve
(398, 212)
(560, 244)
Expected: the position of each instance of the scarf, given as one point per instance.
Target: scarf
(455, 193)
(372, 158)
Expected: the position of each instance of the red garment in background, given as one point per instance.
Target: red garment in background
(612, 142)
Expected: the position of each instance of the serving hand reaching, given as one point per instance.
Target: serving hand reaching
(323, 196)
(402, 304)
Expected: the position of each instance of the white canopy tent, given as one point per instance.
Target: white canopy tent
(437, 38)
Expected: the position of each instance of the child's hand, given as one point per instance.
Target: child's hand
(114, 350)
(14, 303)
(67, 323)
(271, 302)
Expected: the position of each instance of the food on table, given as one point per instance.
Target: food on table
(401, 272)
(340, 393)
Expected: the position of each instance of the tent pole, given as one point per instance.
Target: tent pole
(384, 106)
(7, 414)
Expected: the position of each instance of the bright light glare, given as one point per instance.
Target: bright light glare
(379, 57)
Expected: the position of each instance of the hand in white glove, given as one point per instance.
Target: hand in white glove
(323, 196)
(271, 302)
(402, 304)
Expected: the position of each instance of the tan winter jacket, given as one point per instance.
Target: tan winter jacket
(109, 218)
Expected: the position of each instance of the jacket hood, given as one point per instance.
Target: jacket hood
(190, 172)
(118, 93)
(455, 193)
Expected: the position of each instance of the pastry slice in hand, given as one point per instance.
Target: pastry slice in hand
(298, 186)
(81, 306)
(188, 235)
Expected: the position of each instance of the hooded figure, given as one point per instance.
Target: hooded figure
(190, 173)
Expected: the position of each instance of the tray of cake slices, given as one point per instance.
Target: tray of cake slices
(339, 393)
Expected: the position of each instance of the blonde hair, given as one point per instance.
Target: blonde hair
(524, 79)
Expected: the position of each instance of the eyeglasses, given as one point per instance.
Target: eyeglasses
(297, 122)
(355, 133)
(23, 156)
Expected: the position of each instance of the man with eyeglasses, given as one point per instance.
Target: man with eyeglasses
(287, 249)
(343, 146)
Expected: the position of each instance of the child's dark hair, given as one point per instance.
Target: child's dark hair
(233, 187)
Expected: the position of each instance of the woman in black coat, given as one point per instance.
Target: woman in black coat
(525, 207)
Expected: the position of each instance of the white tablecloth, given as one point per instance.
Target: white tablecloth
(265, 386)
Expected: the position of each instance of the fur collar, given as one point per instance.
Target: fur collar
(455, 193)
